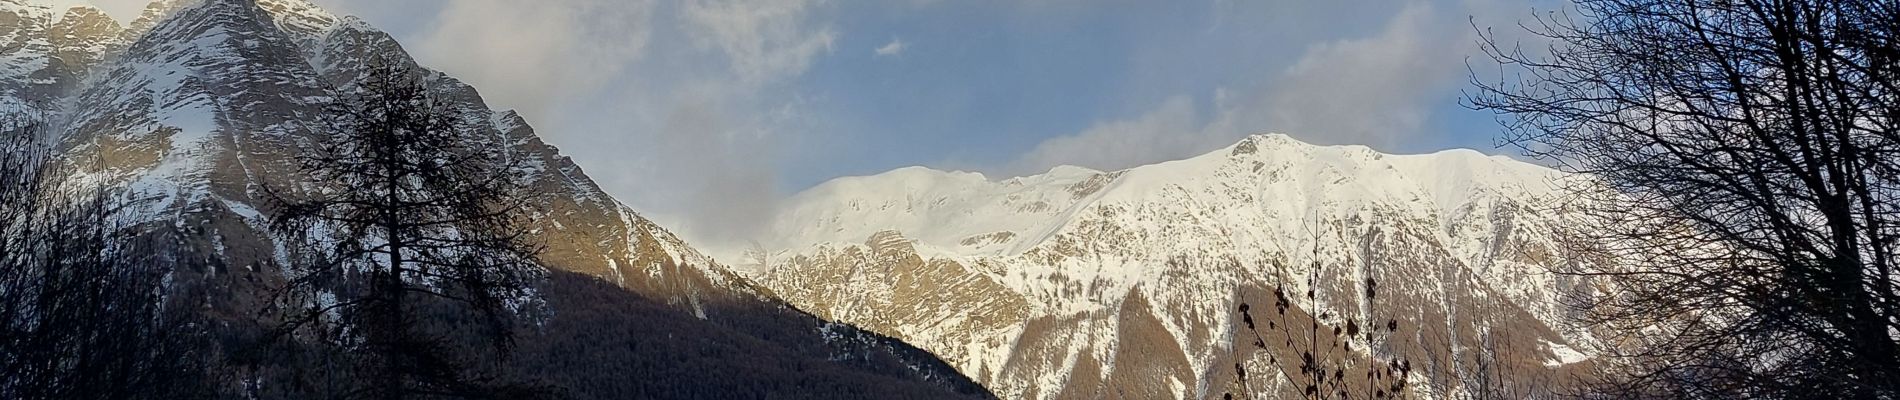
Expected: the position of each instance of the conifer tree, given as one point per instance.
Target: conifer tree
(418, 241)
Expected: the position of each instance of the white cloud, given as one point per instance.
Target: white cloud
(674, 107)
(713, 122)
(1169, 131)
(1378, 90)
(1375, 90)
(765, 40)
(533, 57)
(895, 47)
(683, 108)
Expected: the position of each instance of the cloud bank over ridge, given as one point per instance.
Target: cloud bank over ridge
(705, 113)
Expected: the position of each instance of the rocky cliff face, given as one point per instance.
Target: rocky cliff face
(208, 107)
(195, 113)
(45, 50)
(1089, 284)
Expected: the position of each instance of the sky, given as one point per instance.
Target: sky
(705, 114)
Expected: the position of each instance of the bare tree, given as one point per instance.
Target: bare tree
(1742, 191)
(1326, 354)
(1328, 365)
(84, 313)
(417, 225)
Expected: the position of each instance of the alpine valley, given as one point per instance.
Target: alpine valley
(1218, 276)
(196, 109)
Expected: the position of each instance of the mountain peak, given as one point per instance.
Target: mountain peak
(86, 11)
(48, 48)
(154, 12)
(1066, 170)
(951, 209)
(82, 11)
(1252, 144)
(86, 20)
(299, 17)
(1160, 254)
(919, 176)
(84, 35)
(42, 5)
(296, 17)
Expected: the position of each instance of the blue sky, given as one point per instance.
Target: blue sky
(705, 113)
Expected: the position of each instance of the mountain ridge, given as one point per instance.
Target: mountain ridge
(1070, 284)
(920, 178)
(1052, 265)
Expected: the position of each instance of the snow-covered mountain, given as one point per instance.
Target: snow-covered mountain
(198, 106)
(197, 109)
(1075, 283)
(1089, 284)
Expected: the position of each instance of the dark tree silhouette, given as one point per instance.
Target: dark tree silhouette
(1326, 353)
(83, 308)
(1743, 206)
(1328, 364)
(418, 240)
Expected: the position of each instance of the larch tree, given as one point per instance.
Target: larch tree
(421, 257)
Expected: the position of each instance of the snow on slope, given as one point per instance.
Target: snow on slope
(44, 49)
(943, 209)
(26, 48)
(1459, 229)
